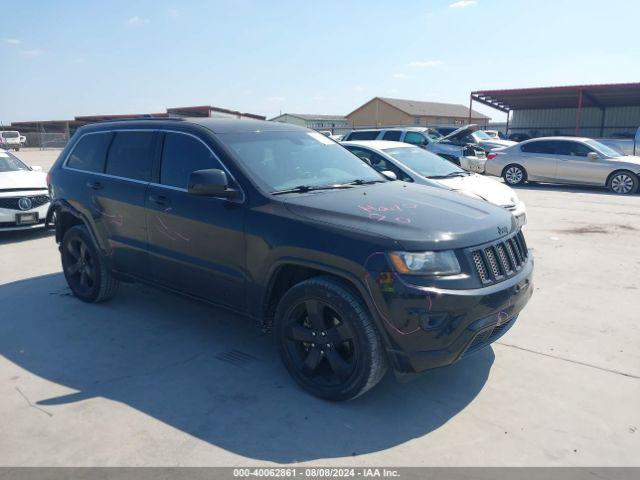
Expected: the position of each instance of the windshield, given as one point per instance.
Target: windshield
(10, 163)
(288, 159)
(602, 148)
(10, 134)
(433, 134)
(480, 135)
(425, 163)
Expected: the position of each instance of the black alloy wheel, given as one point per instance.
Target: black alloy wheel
(319, 343)
(327, 339)
(85, 271)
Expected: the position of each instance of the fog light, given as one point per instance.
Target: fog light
(432, 321)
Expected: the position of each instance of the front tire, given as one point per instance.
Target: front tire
(623, 183)
(514, 175)
(84, 269)
(328, 341)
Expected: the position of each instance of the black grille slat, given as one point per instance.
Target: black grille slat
(480, 267)
(504, 259)
(512, 255)
(11, 203)
(522, 243)
(493, 263)
(516, 250)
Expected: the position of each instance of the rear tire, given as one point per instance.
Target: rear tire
(84, 269)
(514, 174)
(623, 183)
(327, 339)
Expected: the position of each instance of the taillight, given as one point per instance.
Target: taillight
(491, 156)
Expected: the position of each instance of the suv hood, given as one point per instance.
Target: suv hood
(459, 133)
(23, 179)
(412, 217)
(491, 190)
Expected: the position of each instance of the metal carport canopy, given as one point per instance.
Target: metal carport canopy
(576, 96)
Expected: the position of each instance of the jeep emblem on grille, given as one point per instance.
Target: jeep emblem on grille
(25, 203)
(503, 230)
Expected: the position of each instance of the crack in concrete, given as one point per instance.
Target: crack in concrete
(577, 362)
(31, 404)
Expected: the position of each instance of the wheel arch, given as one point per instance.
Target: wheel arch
(66, 217)
(514, 164)
(621, 170)
(289, 272)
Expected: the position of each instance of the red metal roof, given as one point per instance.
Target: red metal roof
(601, 96)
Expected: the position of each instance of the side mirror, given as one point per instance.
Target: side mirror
(210, 183)
(389, 174)
(36, 168)
(593, 156)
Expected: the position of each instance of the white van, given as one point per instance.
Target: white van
(10, 139)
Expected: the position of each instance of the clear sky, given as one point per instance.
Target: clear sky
(66, 58)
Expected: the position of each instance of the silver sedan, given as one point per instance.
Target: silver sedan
(569, 160)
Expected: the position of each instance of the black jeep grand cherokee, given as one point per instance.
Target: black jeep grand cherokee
(354, 272)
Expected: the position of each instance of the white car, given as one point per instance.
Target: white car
(414, 164)
(11, 139)
(24, 197)
(495, 134)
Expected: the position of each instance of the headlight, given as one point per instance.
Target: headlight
(425, 263)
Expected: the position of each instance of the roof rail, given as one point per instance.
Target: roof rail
(143, 118)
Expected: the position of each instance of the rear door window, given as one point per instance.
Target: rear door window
(364, 135)
(90, 152)
(130, 155)
(181, 155)
(543, 146)
(392, 135)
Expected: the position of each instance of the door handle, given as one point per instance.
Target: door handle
(159, 200)
(94, 185)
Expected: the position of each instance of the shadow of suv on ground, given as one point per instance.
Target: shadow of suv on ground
(212, 375)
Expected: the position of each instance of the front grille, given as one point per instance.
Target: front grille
(11, 203)
(496, 262)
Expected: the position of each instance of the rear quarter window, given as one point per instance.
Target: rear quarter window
(90, 152)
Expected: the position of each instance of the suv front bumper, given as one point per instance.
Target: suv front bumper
(429, 328)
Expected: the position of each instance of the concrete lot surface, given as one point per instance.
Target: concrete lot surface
(155, 379)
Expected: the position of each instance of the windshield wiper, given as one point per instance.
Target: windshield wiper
(309, 188)
(451, 175)
(359, 181)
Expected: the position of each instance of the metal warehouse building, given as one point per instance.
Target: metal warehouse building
(318, 122)
(610, 110)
